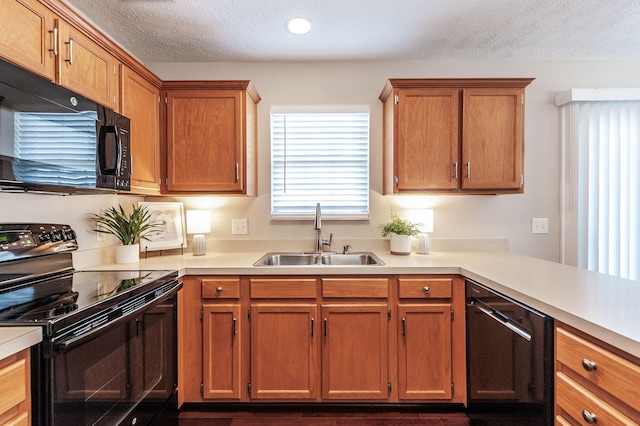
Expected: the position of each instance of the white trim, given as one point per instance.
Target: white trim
(319, 109)
(594, 95)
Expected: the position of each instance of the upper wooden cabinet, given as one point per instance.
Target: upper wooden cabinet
(453, 135)
(211, 137)
(28, 36)
(87, 68)
(140, 102)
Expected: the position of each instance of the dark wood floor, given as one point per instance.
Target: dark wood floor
(358, 417)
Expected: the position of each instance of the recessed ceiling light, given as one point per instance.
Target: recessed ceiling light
(299, 25)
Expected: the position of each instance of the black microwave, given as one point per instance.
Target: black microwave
(54, 140)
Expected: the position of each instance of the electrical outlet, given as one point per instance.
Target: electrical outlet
(239, 226)
(539, 225)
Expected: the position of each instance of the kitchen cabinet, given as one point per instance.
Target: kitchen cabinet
(140, 102)
(87, 68)
(595, 383)
(15, 389)
(221, 337)
(425, 321)
(211, 137)
(355, 317)
(453, 135)
(322, 339)
(28, 36)
(284, 339)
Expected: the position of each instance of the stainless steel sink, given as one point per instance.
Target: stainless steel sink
(350, 259)
(284, 259)
(325, 259)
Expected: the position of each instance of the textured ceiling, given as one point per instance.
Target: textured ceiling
(254, 30)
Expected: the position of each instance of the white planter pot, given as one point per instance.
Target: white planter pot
(127, 253)
(400, 244)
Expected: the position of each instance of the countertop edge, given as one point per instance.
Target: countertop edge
(16, 339)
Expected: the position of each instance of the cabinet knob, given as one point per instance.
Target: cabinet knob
(219, 289)
(426, 289)
(588, 417)
(589, 365)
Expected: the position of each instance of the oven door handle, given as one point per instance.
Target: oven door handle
(73, 342)
(501, 318)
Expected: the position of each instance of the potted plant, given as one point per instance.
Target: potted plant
(400, 232)
(129, 228)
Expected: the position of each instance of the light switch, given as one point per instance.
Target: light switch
(239, 226)
(540, 225)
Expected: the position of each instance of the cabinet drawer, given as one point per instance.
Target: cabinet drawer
(612, 373)
(430, 288)
(220, 288)
(274, 288)
(13, 388)
(579, 402)
(377, 288)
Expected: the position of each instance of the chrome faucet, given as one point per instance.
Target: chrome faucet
(320, 243)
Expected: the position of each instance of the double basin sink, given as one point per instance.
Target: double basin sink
(323, 259)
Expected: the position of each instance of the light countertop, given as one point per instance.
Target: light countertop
(15, 339)
(602, 306)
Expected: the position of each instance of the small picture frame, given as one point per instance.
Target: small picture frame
(172, 233)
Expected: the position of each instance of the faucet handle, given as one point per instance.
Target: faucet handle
(328, 242)
(345, 249)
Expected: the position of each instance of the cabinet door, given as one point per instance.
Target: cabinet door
(28, 36)
(140, 103)
(221, 351)
(428, 137)
(492, 138)
(204, 141)
(87, 68)
(354, 352)
(284, 351)
(15, 389)
(424, 352)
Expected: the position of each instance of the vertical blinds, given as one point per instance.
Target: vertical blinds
(605, 140)
(66, 140)
(320, 157)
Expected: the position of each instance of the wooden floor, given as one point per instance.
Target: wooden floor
(362, 417)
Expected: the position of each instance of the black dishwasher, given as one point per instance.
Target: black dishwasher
(509, 360)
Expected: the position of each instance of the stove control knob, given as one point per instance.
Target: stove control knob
(57, 236)
(69, 235)
(45, 236)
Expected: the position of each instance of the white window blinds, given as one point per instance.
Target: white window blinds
(66, 140)
(602, 207)
(320, 157)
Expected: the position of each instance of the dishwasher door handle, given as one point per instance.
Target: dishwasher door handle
(501, 318)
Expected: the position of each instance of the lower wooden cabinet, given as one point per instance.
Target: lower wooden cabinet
(595, 383)
(315, 339)
(15, 389)
(284, 351)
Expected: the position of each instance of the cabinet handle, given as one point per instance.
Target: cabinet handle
(325, 327)
(588, 417)
(426, 289)
(54, 34)
(70, 60)
(234, 326)
(404, 329)
(455, 170)
(589, 365)
(219, 289)
(237, 172)
(312, 325)
(468, 170)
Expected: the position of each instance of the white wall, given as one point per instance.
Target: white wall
(507, 216)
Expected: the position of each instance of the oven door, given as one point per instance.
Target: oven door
(124, 372)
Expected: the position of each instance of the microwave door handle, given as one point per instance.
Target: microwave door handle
(501, 318)
(102, 142)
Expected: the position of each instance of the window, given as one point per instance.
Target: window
(320, 157)
(602, 180)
